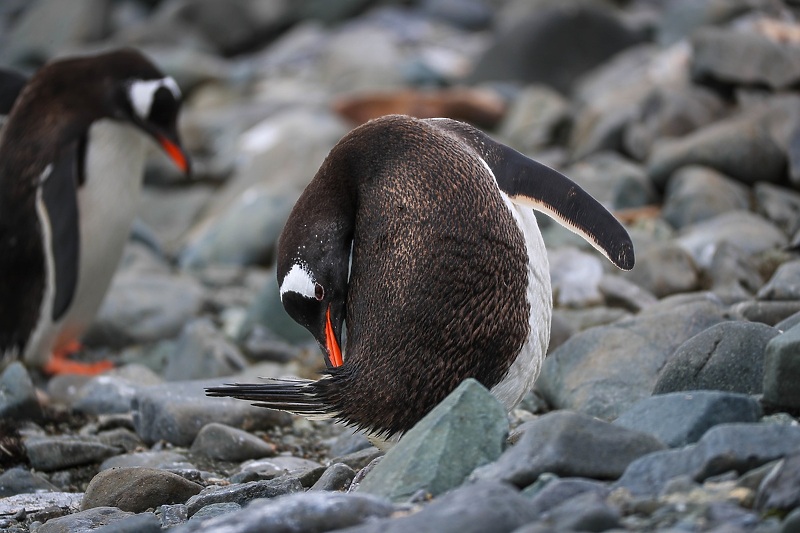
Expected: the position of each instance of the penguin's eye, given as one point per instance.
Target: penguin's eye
(319, 292)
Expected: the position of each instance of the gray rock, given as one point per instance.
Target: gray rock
(582, 319)
(766, 312)
(203, 352)
(213, 510)
(791, 524)
(33, 503)
(549, 491)
(696, 193)
(106, 395)
(17, 394)
(473, 508)
(618, 291)
(725, 357)
(137, 489)
(732, 57)
(139, 523)
(727, 447)
(88, 520)
(19, 480)
(584, 512)
(172, 515)
(784, 283)
(682, 418)
(160, 460)
(306, 511)
(793, 154)
(575, 277)
(268, 311)
(747, 146)
(338, 476)
(257, 469)
(622, 359)
(560, 58)
(142, 308)
(681, 18)
(466, 14)
(218, 441)
(664, 269)
(788, 322)
(778, 491)
(779, 205)
(60, 452)
(176, 412)
(170, 212)
(347, 65)
(569, 444)
(748, 231)
(534, 119)
(121, 438)
(614, 181)
(360, 459)
(782, 370)
(733, 270)
(466, 430)
(243, 493)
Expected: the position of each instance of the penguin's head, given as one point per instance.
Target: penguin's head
(312, 276)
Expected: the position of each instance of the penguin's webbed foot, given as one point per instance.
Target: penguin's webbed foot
(60, 363)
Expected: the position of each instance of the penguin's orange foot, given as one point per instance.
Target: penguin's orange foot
(60, 364)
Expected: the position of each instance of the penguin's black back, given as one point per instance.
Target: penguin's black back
(437, 290)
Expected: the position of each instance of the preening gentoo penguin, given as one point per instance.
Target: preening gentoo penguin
(449, 276)
(72, 156)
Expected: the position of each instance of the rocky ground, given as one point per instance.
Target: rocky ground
(669, 399)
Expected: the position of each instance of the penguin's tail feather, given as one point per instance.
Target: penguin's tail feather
(296, 396)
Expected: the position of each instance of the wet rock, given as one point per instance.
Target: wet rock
(732, 57)
(472, 508)
(60, 452)
(696, 193)
(243, 493)
(145, 308)
(779, 205)
(784, 283)
(176, 412)
(18, 395)
(664, 269)
(682, 418)
(151, 459)
(306, 511)
(137, 489)
(19, 480)
(725, 357)
(466, 430)
(569, 444)
(779, 490)
(139, 523)
(739, 447)
(746, 230)
(88, 520)
(337, 477)
(782, 370)
(561, 59)
(623, 358)
(218, 441)
(535, 118)
(203, 352)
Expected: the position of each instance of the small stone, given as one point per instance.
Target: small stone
(682, 418)
(214, 510)
(60, 452)
(336, 477)
(585, 512)
(360, 459)
(664, 269)
(218, 441)
(696, 193)
(88, 520)
(784, 283)
(778, 204)
(766, 312)
(535, 118)
(782, 370)
(19, 480)
(726, 357)
(559, 490)
(18, 395)
(618, 291)
(575, 277)
(466, 430)
(780, 489)
(161, 460)
(137, 489)
(172, 515)
(106, 395)
(277, 466)
(138, 523)
(121, 438)
(203, 352)
(243, 493)
(568, 444)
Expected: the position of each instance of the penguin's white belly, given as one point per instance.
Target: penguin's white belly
(526, 367)
(107, 205)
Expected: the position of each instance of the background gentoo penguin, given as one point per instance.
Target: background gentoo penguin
(449, 275)
(72, 155)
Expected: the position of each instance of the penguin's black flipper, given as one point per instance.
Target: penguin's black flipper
(297, 396)
(532, 184)
(60, 198)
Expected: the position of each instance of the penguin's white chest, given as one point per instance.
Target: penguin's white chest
(107, 205)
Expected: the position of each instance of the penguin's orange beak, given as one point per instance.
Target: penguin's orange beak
(331, 344)
(175, 152)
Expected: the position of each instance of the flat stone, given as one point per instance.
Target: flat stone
(218, 441)
(176, 412)
(726, 357)
(277, 466)
(569, 444)
(782, 370)
(682, 418)
(18, 395)
(304, 511)
(137, 489)
(466, 430)
(243, 493)
(19, 480)
(88, 520)
(764, 311)
(39, 501)
(604, 370)
(60, 452)
(726, 447)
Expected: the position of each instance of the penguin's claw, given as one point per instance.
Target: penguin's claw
(60, 364)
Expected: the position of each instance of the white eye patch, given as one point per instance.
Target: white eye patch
(141, 94)
(298, 280)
